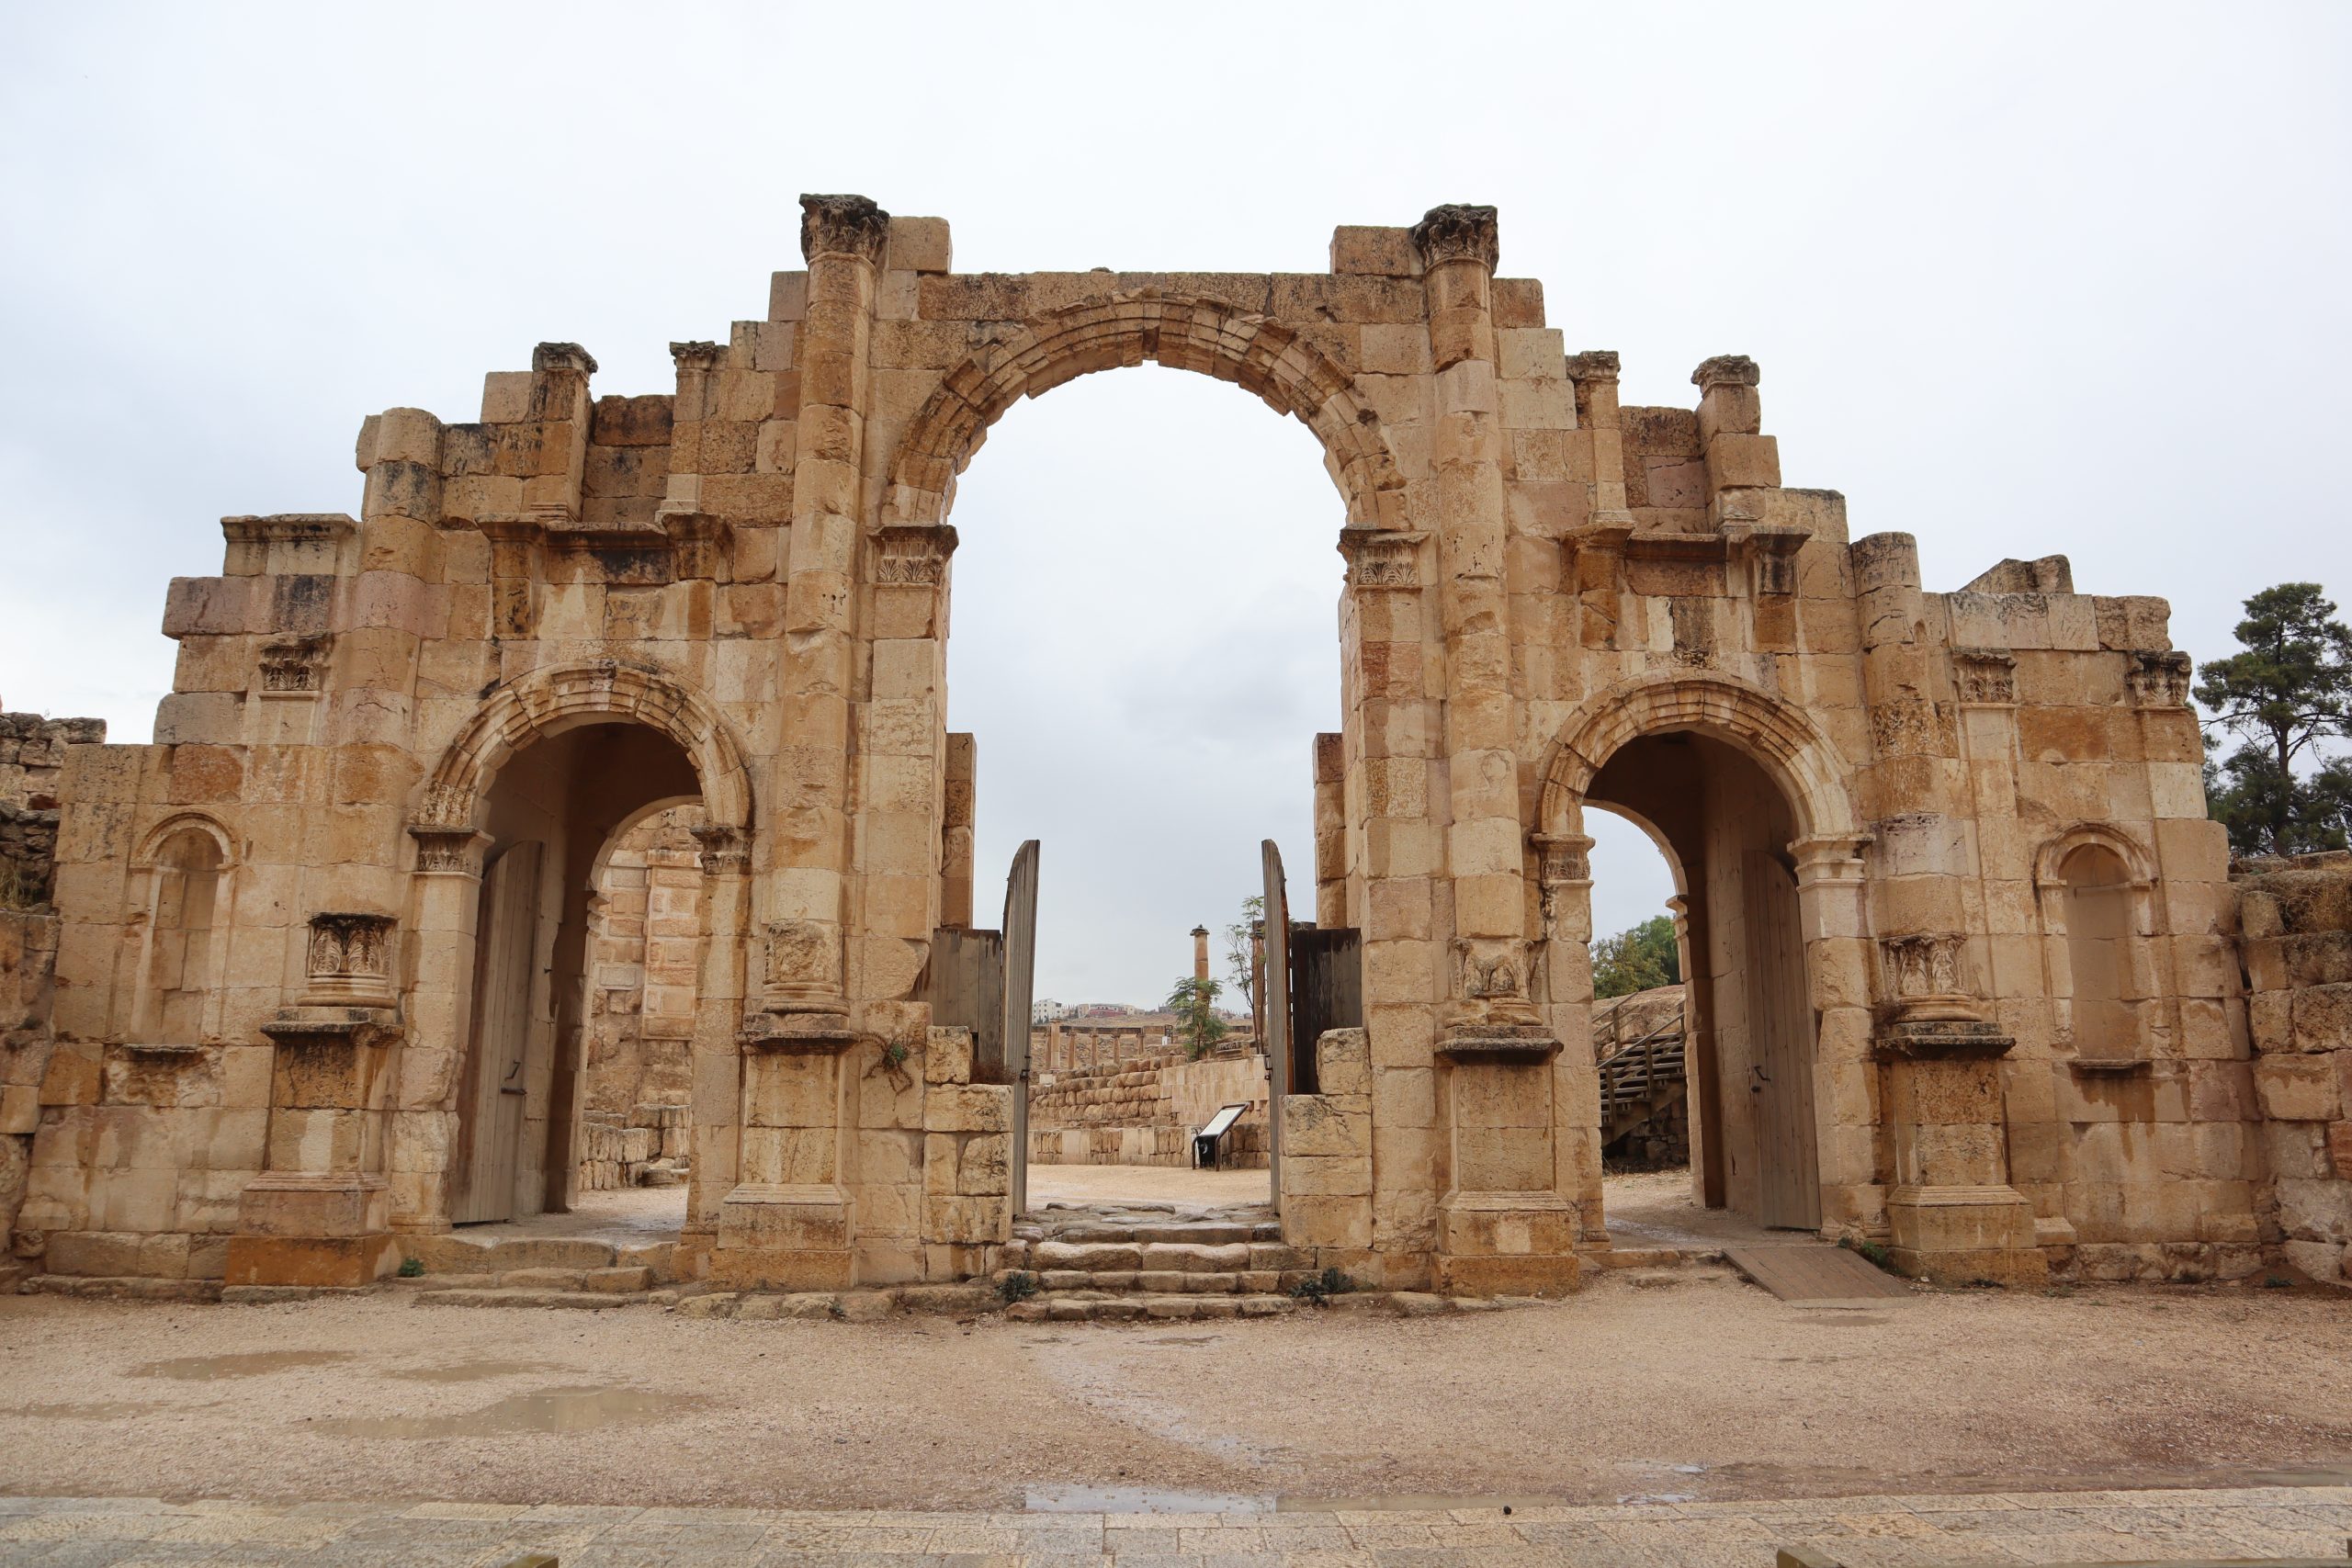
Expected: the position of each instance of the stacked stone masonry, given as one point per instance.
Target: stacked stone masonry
(2295, 930)
(1145, 1108)
(1952, 912)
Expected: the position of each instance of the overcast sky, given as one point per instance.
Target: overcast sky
(2021, 279)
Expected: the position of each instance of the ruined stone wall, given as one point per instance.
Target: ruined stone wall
(1144, 1110)
(2008, 895)
(2294, 921)
(32, 754)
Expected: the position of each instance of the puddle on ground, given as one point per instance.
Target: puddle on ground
(1185, 1339)
(547, 1410)
(204, 1369)
(472, 1371)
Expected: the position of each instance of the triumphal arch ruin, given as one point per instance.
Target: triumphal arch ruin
(1957, 921)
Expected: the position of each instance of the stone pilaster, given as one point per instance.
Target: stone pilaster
(321, 1214)
(1503, 1222)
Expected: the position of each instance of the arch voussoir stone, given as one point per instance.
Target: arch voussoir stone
(1777, 735)
(1266, 357)
(512, 717)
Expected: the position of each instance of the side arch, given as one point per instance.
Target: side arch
(564, 696)
(1184, 333)
(1779, 738)
(2050, 861)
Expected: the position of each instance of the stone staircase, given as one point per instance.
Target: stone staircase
(1644, 1093)
(1116, 1263)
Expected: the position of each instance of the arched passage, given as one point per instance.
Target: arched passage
(1747, 799)
(1210, 340)
(532, 791)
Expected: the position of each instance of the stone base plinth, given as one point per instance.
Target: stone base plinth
(1518, 1244)
(1964, 1235)
(313, 1228)
(783, 1236)
(1547, 1274)
(343, 1260)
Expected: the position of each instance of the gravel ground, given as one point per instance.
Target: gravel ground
(1175, 1184)
(1674, 1383)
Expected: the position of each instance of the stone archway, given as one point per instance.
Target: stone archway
(1182, 333)
(1756, 897)
(547, 701)
(452, 831)
(1779, 737)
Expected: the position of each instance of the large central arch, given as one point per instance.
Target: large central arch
(1184, 333)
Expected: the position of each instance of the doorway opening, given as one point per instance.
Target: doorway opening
(574, 939)
(1746, 1023)
(1142, 669)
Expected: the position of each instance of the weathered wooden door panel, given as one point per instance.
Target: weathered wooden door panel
(1020, 987)
(1276, 1010)
(964, 983)
(1780, 1014)
(491, 1138)
(1327, 992)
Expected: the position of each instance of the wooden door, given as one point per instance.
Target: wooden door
(1327, 992)
(1276, 1010)
(491, 1141)
(1780, 1018)
(1020, 987)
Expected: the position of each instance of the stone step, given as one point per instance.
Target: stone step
(1136, 1309)
(121, 1286)
(1199, 1233)
(456, 1253)
(509, 1296)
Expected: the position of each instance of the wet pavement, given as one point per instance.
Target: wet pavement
(1140, 1528)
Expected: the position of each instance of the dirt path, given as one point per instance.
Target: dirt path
(1693, 1385)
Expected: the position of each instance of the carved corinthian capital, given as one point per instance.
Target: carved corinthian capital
(843, 225)
(1455, 232)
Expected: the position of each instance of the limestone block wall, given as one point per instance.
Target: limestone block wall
(647, 1145)
(644, 949)
(32, 753)
(2295, 928)
(1144, 1110)
(2020, 1044)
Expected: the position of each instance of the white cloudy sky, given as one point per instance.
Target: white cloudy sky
(2022, 280)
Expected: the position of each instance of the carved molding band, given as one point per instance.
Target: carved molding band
(1381, 559)
(804, 963)
(725, 852)
(443, 849)
(350, 960)
(1984, 676)
(2158, 679)
(1459, 232)
(294, 663)
(1923, 966)
(914, 554)
(843, 225)
(1563, 857)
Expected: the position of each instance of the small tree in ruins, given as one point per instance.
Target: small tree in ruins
(2286, 690)
(1241, 949)
(1194, 1001)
